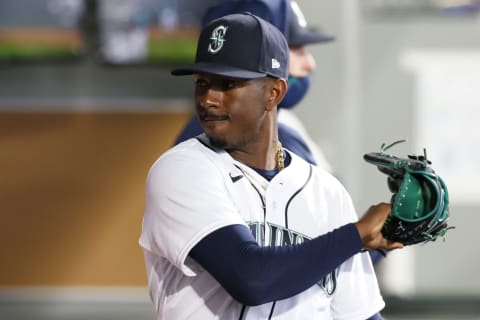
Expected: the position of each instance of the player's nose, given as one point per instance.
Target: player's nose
(210, 97)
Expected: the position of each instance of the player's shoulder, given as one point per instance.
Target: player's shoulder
(318, 174)
(189, 156)
(298, 163)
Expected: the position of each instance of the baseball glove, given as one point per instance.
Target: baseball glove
(419, 201)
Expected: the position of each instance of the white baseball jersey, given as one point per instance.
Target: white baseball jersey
(193, 190)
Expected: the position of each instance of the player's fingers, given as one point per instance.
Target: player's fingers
(394, 245)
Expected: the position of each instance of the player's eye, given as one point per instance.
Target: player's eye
(201, 83)
(227, 84)
(223, 84)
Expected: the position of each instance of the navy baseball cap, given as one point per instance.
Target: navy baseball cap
(299, 33)
(286, 15)
(240, 45)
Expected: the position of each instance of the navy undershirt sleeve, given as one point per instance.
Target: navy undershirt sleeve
(376, 316)
(377, 255)
(254, 275)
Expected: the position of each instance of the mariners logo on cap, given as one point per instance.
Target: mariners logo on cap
(217, 39)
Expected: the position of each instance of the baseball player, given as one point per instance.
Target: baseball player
(236, 226)
(287, 16)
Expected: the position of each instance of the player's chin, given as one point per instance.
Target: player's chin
(215, 128)
(218, 141)
(217, 134)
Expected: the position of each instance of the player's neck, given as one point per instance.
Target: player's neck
(268, 156)
(263, 151)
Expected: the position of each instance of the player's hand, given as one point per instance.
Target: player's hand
(370, 228)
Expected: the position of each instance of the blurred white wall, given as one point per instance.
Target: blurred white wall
(365, 94)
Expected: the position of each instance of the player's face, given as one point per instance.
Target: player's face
(231, 111)
(301, 62)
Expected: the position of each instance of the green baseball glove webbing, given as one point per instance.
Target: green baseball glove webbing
(419, 201)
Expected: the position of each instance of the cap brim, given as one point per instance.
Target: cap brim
(217, 69)
(306, 36)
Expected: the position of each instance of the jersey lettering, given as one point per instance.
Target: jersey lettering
(279, 236)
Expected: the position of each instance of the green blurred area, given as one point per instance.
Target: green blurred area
(159, 51)
(10, 51)
(172, 50)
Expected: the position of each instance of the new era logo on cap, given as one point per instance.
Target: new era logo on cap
(275, 63)
(240, 45)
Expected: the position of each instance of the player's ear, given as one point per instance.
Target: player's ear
(277, 90)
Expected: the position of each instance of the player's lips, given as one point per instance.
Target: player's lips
(208, 117)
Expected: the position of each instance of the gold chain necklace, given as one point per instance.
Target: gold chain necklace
(279, 157)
